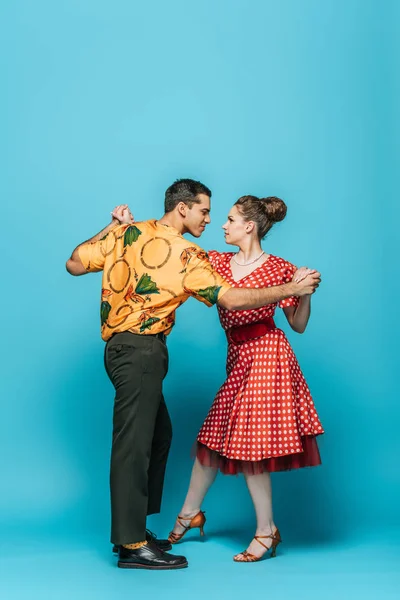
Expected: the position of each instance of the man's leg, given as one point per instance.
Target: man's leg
(136, 366)
(159, 456)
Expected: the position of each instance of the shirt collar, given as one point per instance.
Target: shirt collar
(169, 228)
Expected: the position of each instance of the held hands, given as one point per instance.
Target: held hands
(302, 273)
(305, 281)
(122, 215)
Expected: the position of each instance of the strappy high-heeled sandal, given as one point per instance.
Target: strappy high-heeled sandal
(249, 557)
(197, 521)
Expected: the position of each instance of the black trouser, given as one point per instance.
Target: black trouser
(142, 432)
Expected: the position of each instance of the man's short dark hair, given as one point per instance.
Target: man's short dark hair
(186, 191)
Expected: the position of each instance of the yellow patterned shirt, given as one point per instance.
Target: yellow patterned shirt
(149, 269)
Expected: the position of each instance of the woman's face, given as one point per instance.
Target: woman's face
(235, 227)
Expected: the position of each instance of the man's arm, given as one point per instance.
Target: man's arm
(74, 264)
(244, 298)
(120, 215)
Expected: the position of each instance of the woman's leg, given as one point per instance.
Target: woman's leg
(201, 480)
(261, 493)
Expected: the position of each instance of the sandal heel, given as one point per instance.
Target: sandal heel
(197, 521)
(276, 540)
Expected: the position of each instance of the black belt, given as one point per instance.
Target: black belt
(161, 336)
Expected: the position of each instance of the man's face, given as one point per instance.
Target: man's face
(198, 217)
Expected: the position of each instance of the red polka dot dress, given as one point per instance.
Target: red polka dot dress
(263, 417)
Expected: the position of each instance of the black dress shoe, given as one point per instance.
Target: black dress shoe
(151, 537)
(149, 556)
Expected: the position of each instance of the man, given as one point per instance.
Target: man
(149, 270)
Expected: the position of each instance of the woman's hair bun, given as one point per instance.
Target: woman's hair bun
(275, 208)
(263, 211)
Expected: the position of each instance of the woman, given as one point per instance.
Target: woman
(263, 418)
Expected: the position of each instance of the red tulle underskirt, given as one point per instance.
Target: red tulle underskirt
(310, 457)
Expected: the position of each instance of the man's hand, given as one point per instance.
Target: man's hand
(123, 215)
(307, 284)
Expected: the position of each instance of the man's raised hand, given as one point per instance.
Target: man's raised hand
(122, 214)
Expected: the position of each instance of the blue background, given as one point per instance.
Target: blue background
(106, 103)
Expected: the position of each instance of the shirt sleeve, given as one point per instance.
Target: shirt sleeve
(93, 254)
(287, 275)
(204, 283)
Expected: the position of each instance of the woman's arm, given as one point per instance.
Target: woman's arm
(298, 316)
